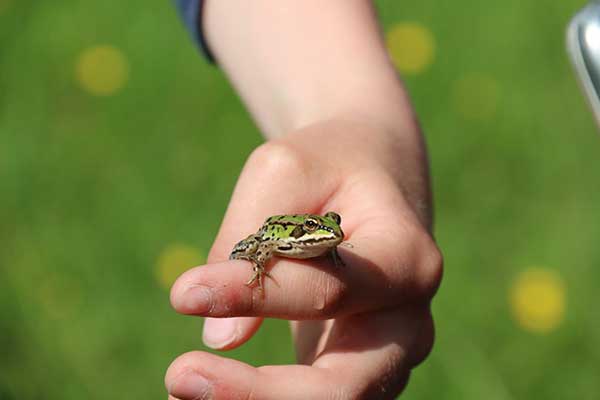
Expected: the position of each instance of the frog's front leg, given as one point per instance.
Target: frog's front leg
(248, 249)
(335, 256)
(260, 258)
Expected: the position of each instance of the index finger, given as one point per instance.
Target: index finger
(380, 271)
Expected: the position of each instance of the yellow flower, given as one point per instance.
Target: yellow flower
(537, 299)
(411, 47)
(102, 70)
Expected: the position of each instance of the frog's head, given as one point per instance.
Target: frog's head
(304, 230)
(326, 227)
(302, 235)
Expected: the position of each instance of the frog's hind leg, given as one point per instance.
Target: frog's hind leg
(260, 258)
(257, 276)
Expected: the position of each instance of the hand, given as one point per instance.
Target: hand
(359, 328)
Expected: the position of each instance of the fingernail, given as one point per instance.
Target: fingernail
(196, 299)
(220, 332)
(191, 385)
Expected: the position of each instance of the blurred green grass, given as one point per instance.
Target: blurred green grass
(93, 189)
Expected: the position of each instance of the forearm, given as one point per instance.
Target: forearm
(295, 63)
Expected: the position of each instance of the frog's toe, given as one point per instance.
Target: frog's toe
(254, 278)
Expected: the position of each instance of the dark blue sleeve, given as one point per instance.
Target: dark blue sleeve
(191, 13)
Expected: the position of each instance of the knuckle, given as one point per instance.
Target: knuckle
(386, 382)
(235, 303)
(275, 157)
(425, 342)
(385, 388)
(342, 392)
(430, 268)
(341, 387)
(390, 379)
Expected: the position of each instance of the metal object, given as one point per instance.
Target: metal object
(583, 45)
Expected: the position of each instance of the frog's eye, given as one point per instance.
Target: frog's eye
(311, 224)
(334, 216)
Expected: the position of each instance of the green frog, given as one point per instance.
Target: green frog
(294, 236)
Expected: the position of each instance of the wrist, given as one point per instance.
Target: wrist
(379, 101)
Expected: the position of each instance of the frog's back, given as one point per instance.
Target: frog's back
(291, 219)
(279, 227)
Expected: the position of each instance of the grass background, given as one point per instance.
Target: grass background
(93, 190)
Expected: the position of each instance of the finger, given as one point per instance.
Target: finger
(309, 338)
(400, 337)
(199, 375)
(373, 361)
(375, 350)
(296, 291)
(374, 277)
(229, 333)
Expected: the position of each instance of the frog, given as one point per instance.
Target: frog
(297, 236)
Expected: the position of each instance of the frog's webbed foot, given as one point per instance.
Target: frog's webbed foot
(259, 275)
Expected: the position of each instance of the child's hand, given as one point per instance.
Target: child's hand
(358, 329)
